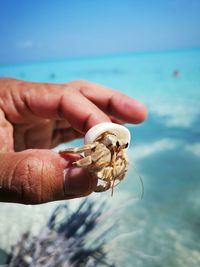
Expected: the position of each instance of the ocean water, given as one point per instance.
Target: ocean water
(162, 228)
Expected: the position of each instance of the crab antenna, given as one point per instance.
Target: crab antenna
(141, 182)
(112, 189)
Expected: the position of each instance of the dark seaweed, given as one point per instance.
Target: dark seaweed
(63, 242)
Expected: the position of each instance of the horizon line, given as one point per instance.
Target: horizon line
(105, 55)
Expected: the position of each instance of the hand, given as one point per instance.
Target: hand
(37, 116)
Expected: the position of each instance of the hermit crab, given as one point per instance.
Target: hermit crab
(104, 154)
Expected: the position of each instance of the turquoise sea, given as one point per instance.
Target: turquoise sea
(162, 228)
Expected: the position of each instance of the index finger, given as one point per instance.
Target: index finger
(114, 103)
(63, 102)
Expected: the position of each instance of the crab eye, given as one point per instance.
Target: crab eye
(117, 144)
(126, 145)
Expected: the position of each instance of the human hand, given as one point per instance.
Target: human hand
(37, 116)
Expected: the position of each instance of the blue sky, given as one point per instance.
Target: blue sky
(49, 29)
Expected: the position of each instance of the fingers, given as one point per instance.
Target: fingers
(112, 102)
(80, 112)
(35, 135)
(115, 120)
(62, 124)
(6, 134)
(63, 102)
(39, 176)
(64, 135)
(81, 104)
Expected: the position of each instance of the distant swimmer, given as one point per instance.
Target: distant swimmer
(176, 73)
(52, 76)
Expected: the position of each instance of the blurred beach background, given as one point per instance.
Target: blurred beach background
(149, 50)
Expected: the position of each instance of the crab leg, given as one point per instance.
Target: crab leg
(76, 150)
(84, 162)
(102, 188)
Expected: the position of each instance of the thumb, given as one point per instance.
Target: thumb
(38, 176)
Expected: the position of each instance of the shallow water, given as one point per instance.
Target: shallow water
(164, 227)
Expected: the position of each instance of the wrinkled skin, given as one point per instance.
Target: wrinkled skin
(35, 117)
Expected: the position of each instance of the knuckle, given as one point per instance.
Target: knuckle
(80, 84)
(29, 174)
(83, 82)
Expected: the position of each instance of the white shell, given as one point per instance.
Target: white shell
(120, 131)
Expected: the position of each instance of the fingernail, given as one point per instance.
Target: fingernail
(76, 182)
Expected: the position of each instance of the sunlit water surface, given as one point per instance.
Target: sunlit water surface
(162, 229)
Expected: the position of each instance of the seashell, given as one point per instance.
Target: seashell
(120, 131)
